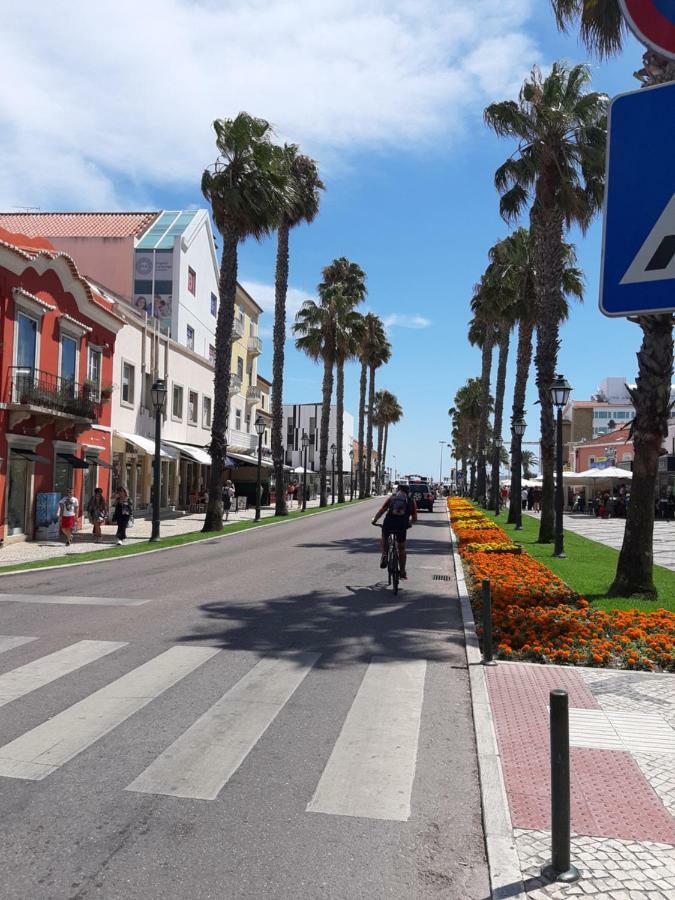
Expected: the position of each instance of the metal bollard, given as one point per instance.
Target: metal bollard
(560, 867)
(487, 624)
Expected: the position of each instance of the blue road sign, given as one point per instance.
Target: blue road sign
(638, 247)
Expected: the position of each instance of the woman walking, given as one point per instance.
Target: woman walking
(97, 509)
(124, 512)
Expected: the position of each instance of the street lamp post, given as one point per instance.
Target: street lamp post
(351, 475)
(560, 393)
(333, 450)
(518, 428)
(158, 392)
(440, 469)
(260, 428)
(305, 445)
(499, 443)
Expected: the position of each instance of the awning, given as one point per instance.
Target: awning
(198, 454)
(252, 460)
(73, 460)
(95, 461)
(30, 455)
(145, 444)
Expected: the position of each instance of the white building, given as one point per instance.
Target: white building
(306, 417)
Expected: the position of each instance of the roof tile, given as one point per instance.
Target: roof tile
(87, 224)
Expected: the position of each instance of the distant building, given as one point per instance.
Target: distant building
(612, 449)
(306, 417)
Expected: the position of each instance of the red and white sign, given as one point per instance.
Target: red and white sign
(653, 23)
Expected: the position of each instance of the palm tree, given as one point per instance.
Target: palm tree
(247, 189)
(466, 417)
(559, 164)
(379, 354)
(483, 333)
(603, 30)
(379, 416)
(302, 206)
(373, 344)
(528, 459)
(351, 281)
(392, 413)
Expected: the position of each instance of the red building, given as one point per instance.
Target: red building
(613, 448)
(57, 337)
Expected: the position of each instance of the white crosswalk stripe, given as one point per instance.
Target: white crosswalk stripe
(41, 751)
(10, 641)
(46, 669)
(71, 600)
(205, 757)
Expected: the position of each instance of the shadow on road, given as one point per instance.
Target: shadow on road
(416, 545)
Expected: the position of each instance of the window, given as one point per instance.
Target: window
(251, 330)
(214, 305)
(212, 354)
(177, 402)
(193, 407)
(26, 342)
(206, 412)
(192, 281)
(627, 457)
(262, 401)
(190, 337)
(248, 423)
(128, 378)
(290, 431)
(237, 420)
(241, 314)
(68, 359)
(591, 460)
(240, 367)
(63, 475)
(94, 371)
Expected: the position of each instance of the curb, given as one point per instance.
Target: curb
(506, 879)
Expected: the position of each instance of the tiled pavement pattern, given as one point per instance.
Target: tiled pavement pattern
(623, 775)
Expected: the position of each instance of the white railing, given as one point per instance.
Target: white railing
(255, 346)
(238, 328)
(243, 439)
(253, 394)
(235, 385)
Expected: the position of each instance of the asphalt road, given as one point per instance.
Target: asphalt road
(247, 717)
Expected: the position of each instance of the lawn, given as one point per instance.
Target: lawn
(589, 568)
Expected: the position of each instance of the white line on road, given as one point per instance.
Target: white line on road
(203, 759)
(10, 641)
(41, 751)
(42, 671)
(371, 770)
(70, 599)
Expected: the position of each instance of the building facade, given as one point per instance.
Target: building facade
(612, 449)
(305, 418)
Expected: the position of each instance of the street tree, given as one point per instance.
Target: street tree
(483, 333)
(374, 349)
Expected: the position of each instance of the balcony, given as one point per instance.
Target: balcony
(235, 385)
(241, 441)
(254, 346)
(42, 392)
(238, 329)
(253, 394)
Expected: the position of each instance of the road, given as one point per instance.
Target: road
(252, 716)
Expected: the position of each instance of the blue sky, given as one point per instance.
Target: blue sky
(387, 96)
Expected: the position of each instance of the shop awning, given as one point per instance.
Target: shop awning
(73, 460)
(95, 461)
(198, 454)
(30, 455)
(252, 460)
(142, 443)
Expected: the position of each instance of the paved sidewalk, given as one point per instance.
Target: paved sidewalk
(29, 551)
(610, 533)
(622, 736)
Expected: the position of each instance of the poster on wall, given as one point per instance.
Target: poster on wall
(153, 286)
(47, 516)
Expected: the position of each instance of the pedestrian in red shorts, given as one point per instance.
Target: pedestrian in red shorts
(68, 514)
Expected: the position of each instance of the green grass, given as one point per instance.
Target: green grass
(589, 568)
(176, 541)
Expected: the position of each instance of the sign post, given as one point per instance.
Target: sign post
(653, 23)
(638, 246)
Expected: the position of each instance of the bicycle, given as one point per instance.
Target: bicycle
(393, 564)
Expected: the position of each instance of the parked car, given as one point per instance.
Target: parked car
(422, 495)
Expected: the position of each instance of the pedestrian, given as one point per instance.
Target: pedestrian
(523, 497)
(97, 510)
(530, 499)
(228, 497)
(68, 506)
(123, 515)
(536, 500)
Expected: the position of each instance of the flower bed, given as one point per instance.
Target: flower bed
(536, 616)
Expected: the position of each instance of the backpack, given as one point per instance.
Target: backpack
(399, 505)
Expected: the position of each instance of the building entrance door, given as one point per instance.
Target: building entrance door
(17, 496)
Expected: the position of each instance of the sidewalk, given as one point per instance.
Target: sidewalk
(29, 551)
(622, 738)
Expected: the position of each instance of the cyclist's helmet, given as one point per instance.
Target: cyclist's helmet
(404, 487)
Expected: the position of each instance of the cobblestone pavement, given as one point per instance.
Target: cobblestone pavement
(622, 758)
(610, 532)
(28, 551)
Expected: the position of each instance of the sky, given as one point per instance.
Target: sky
(109, 105)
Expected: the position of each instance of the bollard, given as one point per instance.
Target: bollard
(560, 868)
(487, 624)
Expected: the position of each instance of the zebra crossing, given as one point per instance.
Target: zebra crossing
(369, 773)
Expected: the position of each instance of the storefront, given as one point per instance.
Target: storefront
(133, 458)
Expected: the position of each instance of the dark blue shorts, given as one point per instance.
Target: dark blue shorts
(390, 525)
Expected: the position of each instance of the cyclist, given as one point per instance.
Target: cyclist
(400, 512)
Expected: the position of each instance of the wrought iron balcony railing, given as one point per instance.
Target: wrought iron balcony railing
(60, 396)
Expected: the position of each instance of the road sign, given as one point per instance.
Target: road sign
(638, 248)
(653, 23)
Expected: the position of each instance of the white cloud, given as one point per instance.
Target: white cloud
(398, 320)
(114, 100)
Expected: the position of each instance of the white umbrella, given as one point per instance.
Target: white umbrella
(613, 473)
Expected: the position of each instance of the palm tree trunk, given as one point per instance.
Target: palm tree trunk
(486, 367)
(380, 437)
(651, 397)
(279, 339)
(325, 424)
(369, 433)
(362, 416)
(523, 360)
(548, 230)
(500, 388)
(464, 464)
(227, 288)
(339, 436)
(384, 451)
(472, 479)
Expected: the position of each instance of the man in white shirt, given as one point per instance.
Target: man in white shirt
(68, 507)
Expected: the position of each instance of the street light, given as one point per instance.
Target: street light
(519, 426)
(260, 428)
(351, 475)
(333, 450)
(499, 443)
(560, 393)
(158, 391)
(305, 445)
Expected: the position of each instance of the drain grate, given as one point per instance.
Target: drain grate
(442, 578)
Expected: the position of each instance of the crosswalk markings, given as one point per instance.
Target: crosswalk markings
(42, 750)
(69, 599)
(10, 641)
(204, 758)
(42, 671)
(371, 770)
